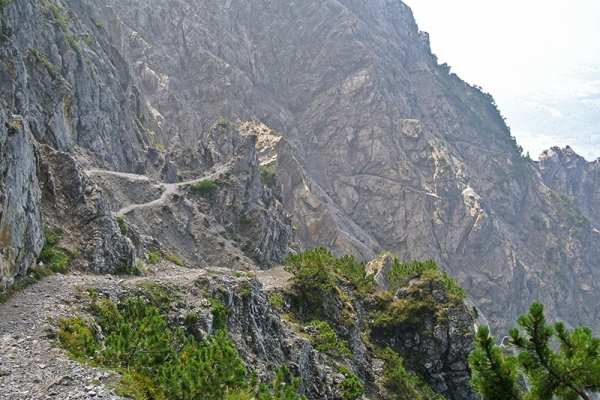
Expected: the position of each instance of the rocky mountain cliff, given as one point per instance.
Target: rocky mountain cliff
(115, 127)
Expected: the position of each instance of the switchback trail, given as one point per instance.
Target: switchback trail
(167, 188)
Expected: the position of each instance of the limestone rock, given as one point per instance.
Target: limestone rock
(380, 268)
(21, 233)
(71, 201)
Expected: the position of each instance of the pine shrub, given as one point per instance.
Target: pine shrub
(159, 362)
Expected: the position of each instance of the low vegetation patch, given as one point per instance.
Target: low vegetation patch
(268, 177)
(158, 361)
(351, 386)
(325, 340)
(55, 13)
(52, 69)
(122, 225)
(52, 259)
(52, 256)
(402, 384)
(3, 3)
(401, 273)
(319, 277)
(568, 210)
(153, 257)
(327, 291)
(276, 301)
(174, 259)
(14, 125)
(204, 187)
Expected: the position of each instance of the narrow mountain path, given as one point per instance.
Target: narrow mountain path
(167, 188)
(31, 364)
(419, 191)
(482, 148)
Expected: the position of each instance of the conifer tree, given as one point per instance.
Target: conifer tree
(571, 372)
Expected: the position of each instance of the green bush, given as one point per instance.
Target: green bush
(78, 337)
(52, 235)
(122, 225)
(548, 362)
(268, 177)
(220, 314)
(245, 289)
(401, 273)
(174, 259)
(451, 286)
(417, 304)
(191, 319)
(283, 387)
(317, 276)
(276, 301)
(325, 340)
(355, 273)
(55, 258)
(161, 297)
(352, 388)
(156, 362)
(402, 384)
(204, 187)
(408, 313)
(312, 285)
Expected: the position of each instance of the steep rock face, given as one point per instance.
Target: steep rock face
(21, 234)
(72, 202)
(55, 90)
(76, 90)
(566, 172)
(68, 87)
(265, 340)
(220, 214)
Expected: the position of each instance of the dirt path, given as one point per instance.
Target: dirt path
(167, 188)
(31, 365)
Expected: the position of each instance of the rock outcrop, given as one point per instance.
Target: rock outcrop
(21, 229)
(78, 206)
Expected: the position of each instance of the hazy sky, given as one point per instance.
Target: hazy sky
(540, 59)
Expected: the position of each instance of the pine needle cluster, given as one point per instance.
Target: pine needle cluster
(538, 371)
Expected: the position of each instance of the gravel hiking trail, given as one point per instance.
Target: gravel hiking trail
(167, 188)
(31, 364)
